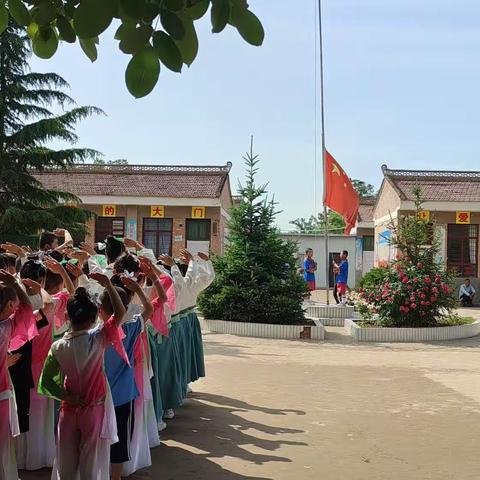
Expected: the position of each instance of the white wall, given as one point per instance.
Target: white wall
(336, 243)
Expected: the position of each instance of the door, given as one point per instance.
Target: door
(157, 235)
(105, 226)
(332, 257)
(198, 235)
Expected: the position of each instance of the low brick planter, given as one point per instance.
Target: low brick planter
(411, 335)
(262, 330)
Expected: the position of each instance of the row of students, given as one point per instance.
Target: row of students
(107, 370)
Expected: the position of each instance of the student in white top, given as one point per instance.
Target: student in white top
(466, 294)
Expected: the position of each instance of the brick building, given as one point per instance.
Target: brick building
(165, 207)
(451, 203)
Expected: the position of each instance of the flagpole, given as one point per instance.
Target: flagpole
(322, 110)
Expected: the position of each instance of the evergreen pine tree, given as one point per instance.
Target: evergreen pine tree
(256, 279)
(27, 125)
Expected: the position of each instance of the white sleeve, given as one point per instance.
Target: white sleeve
(189, 279)
(462, 291)
(36, 301)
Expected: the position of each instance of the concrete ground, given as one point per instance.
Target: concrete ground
(278, 410)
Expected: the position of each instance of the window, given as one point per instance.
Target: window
(462, 248)
(198, 230)
(368, 243)
(105, 226)
(157, 235)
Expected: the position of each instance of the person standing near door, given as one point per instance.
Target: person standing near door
(309, 269)
(342, 276)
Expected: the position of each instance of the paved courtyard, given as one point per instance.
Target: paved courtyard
(333, 410)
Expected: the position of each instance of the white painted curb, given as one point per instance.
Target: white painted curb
(330, 311)
(411, 335)
(264, 330)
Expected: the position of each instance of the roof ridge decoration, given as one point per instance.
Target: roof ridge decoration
(92, 168)
(434, 174)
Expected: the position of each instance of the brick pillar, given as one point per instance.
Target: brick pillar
(178, 231)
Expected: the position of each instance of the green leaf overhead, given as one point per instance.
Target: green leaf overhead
(134, 39)
(197, 9)
(173, 24)
(167, 51)
(142, 72)
(174, 5)
(19, 12)
(188, 45)
(248, 25)
(220, 14)
(138, 19)
(132, 8)
(45, 43)
(44, 13)
(3, 17)
(66, 30)
(92, 17)
(89, 47)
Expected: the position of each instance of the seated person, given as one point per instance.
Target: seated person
(466, 294)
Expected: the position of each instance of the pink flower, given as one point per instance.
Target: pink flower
(406, 310)
(422, 303)
(390, 299)
(433, 299)
(445, 288)
(410, 287)
(438, 279)
(415, 280)
(428, 280)
(413, 306)
(377, 299)
(427, 303)
(405, 280)
(422, 296)
(419, 265)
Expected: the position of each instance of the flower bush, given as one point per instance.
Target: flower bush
(414, 290)
(408, 295)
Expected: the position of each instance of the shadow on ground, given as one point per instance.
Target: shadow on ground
(211, 427)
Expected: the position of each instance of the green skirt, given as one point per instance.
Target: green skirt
(197, 360)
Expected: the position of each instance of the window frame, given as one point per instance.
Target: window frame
(465, 239)
(158, 231)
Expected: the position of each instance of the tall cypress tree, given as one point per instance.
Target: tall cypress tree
(256, 279)
(27, 125)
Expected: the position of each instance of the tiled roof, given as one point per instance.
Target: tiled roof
(442, 186)
(366, 208)
(138, 180)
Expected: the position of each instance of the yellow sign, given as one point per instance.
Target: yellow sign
(424, 215)
(109, 211)
(157, 211)
(462, 218)
(198, 212)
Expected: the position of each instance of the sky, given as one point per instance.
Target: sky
(401, 88)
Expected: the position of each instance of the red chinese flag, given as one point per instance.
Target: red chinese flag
(340, 196)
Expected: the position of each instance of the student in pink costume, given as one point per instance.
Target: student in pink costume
(145, 432)
(73, 373)
(17, 326)
(36, 447)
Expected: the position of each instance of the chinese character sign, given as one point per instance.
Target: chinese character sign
(109, 211)
(424, 215)
(462, 218)
(198, 212)
(157, 211)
